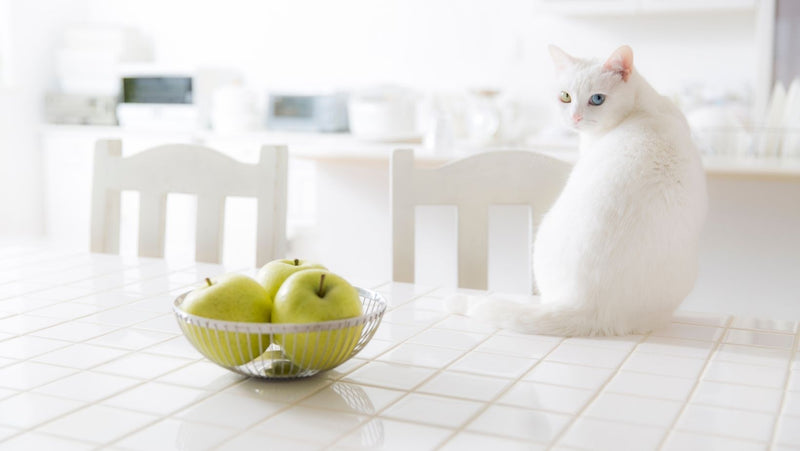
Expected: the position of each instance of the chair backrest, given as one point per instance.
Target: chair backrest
(472, 184)
(188, 169)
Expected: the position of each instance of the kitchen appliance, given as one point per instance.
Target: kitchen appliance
(232, 109)
(385, 113)
(307, 112)
(155, 98)
(78, 109)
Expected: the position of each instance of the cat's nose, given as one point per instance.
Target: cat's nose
(577, 117)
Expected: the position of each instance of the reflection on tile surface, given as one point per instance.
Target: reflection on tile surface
(534, 395)
(434, 410)
(634, 409)
(176, 435)
(745, 397)
(92, 359)
(683, 440)
(726, 422)
(768, 339)
(99, 424)
(597, 434)
(532, 425)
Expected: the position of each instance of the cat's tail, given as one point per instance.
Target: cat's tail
(530, 318)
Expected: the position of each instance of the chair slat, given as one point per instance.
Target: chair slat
(152, 223)
(403, 216)
(472, 184)
(473, 246)
(194, 170)
(105, 220)
(210, 229)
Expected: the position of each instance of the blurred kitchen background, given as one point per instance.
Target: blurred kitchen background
(343, 83)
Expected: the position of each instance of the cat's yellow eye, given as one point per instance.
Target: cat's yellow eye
(565, 97)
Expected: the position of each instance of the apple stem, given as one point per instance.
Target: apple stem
(296, 262)
(321, 292)
(208, 281)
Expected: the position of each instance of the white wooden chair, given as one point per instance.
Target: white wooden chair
(472, 184)
(189, 169)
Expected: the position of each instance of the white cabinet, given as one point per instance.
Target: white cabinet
(5, 41)
(587, 7)
(694, 5)
(626, 7)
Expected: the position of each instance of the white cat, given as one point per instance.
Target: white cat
(617, 252)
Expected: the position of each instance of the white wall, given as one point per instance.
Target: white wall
(33, 26)
(750, 249)
(428, 44)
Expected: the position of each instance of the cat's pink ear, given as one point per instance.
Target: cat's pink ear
(621, 62)
(560, 58)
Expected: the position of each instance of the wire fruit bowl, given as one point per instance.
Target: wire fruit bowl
(282, 351)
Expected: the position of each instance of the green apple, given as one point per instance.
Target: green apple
(312, 296)
(272, 275)
(230, 297)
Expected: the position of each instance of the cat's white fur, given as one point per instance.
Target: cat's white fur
(617, 252)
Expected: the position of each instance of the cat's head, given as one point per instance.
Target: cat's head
(594, 96)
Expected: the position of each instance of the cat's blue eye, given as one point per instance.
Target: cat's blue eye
(597, 99)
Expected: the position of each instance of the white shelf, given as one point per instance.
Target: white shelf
(753, 167)
(346, 148)
(595, 8)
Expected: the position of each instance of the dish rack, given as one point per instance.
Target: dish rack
(775, 133)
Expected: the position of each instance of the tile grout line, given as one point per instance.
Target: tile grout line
(116, 327)
(171, 414)
(709, 357)
(574, 418)
(126, 352)
(86, 341)
(370, 417)
(73, 319)
(287, 406)
(140, 383)
(405, 392)
(787, 378)
(101, 275)
(430, 326)
(409, 391)
(493, 401)
(86, 404)
(298, 401)
(436, 372)
(69, 255)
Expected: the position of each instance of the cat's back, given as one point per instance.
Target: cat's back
(635, 202)
(656, 129)
(643, 175)
(651, 148)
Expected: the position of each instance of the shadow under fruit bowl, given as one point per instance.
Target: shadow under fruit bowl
(282, 351)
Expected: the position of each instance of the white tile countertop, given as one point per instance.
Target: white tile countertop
(91, 357)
